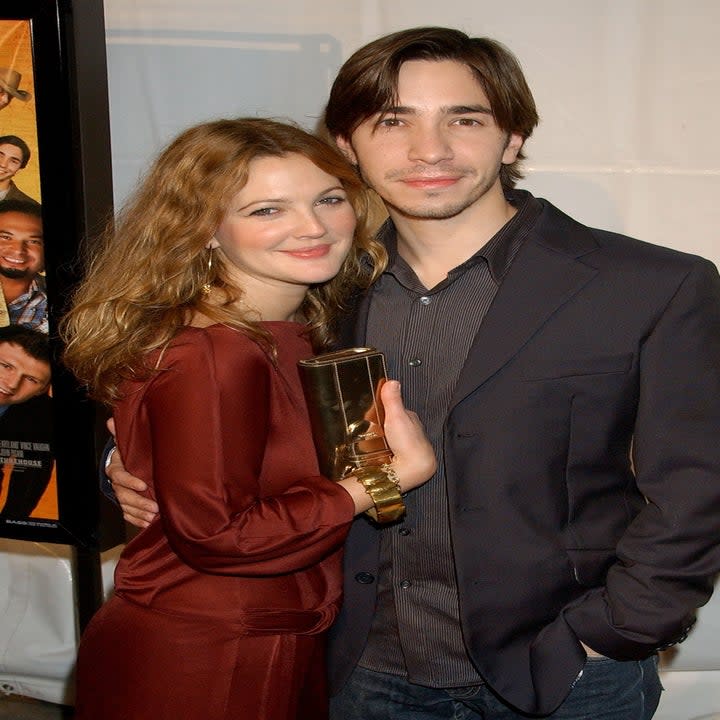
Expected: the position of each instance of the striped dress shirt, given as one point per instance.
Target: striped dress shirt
(426, 335)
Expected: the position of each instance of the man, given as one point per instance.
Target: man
(14, 156)
(10, 87)
(25, 419)
(22, 260)
(568, 378)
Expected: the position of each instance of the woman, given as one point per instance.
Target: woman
(227, 267)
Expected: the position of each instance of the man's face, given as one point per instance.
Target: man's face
(22, 252)
(439, 152)
(11, 158)
(5, 98)
(21, 375)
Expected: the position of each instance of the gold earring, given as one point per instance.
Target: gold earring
(207, 287)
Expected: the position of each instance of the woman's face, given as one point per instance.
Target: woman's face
(290, 227)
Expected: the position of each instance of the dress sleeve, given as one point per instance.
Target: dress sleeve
(209, 428)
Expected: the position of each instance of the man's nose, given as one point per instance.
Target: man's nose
(11, 381)
(14, 246)
(429, 144)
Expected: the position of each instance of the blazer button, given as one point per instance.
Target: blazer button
(365, 578)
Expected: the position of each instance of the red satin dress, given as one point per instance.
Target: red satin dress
(221, 604)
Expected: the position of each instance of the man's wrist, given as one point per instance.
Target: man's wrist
(109, 456)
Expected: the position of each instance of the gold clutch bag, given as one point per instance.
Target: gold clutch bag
(342, 391)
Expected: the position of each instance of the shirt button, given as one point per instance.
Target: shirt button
(415, 362)
(405, 584)
(365, 578)
(425, 300)
(404, 531)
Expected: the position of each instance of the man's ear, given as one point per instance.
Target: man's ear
(346, 149)
(514, 145)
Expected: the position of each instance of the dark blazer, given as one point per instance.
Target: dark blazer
(583, 464)
(15, 193)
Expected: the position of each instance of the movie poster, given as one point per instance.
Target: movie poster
(28, 490)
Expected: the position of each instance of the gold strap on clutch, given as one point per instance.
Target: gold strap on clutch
(380, 483)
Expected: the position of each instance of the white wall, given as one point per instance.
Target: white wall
(626, 88)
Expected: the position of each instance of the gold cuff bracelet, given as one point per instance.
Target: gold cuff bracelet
(381, 484)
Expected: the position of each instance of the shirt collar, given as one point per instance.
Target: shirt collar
(36, 287)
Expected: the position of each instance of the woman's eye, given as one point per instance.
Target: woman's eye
(331, 200)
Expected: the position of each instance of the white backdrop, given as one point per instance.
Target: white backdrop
(626, 89)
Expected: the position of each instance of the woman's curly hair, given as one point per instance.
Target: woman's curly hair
(144, 278)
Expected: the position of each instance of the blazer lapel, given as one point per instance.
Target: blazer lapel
(540, 280)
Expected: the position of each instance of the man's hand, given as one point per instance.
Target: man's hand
(590, 652)
(137, 510)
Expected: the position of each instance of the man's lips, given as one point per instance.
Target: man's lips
(12, 261)
(430, 182)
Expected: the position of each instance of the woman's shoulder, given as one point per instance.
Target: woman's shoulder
(214, 340)
(214, 355)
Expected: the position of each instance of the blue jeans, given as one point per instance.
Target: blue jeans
(606, 690)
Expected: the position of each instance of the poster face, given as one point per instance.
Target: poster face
(55, 195)
(28, 486)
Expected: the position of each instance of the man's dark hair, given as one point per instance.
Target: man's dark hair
(367, 83)
(33, 342)
(18, 143)
(26, 207)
